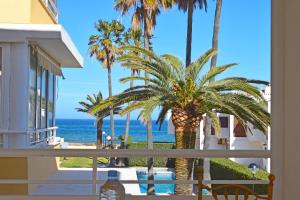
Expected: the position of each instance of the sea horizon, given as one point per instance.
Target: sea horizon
(84, 130)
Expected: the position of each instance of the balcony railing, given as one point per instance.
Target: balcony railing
(52, 8)
(94, 153)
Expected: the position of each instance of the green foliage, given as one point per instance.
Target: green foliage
(92, 100)
(121, 138)
(158, 162)
(80, 162)
(225, 169)
(171, 86)
(144, 11)
(105, 44)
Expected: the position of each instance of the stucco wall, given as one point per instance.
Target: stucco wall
(24, 12)
(15, 11)
(240, 143)
(13, 168)
(40, 14)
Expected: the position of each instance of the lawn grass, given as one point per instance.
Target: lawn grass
(79, 162)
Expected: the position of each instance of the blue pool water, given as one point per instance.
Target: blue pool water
(160, 188)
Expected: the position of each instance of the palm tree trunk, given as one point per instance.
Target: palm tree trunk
(128, 120)
(150, 188)
(99, 133)
(184, 167)
(112, 126)
(189, 33)
(111, 116)
(215, 41)
(215, 45)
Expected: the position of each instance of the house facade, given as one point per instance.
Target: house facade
(34, 48)
(234, 136)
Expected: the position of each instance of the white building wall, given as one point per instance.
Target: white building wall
(19, 87)
(14, 94)
(5, 91)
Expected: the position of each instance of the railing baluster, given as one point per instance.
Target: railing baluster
(94, 190)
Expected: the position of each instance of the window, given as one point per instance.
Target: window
(0, 61)
(41, 96)
(32, 90)
(51, 81)
(38, 99)
(224, 122)
(0, 71)
(1, 141)
(44, 99)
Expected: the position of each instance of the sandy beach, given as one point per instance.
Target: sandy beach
(81, 146)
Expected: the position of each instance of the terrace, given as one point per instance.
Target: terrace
(84, 184)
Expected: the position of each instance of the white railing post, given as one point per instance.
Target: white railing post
(94, 187)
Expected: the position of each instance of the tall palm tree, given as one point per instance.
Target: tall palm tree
(131, 37)
(144, 16)
(189, 6)
(105, 47)
(93, 100)
(189, 96)
(215, 45)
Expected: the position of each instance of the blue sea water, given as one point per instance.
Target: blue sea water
(84, 130)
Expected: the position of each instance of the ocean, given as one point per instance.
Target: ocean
(84, 130)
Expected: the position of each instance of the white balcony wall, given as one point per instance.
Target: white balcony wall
(286, 98)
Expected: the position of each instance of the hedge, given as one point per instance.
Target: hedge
(158, 162)
(225, 169)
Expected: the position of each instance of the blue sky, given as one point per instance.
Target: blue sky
(244, 38)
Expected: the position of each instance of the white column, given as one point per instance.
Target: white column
(286, 98)
(231, 133)
(200, 129)
(5, 90)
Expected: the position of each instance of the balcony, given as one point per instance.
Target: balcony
(84, 184)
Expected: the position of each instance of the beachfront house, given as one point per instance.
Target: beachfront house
(34, 48)
(234, 136)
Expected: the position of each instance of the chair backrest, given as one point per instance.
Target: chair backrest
(239, 190)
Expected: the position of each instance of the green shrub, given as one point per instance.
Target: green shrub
(225, 169)
(158, 162)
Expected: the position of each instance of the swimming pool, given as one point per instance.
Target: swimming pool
(159, 175)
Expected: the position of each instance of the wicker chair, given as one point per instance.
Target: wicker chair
(239, 190)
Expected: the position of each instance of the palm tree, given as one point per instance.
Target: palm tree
(93, 100)
(131, 37)
(145, 13)
(215, 45)
(190, 6)
(189, 96)
(105, 47)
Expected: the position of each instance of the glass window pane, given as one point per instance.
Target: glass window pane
(0, 60)
(0, 71)
(32, 90)
(44, 99)
(50, 99)
(1, 141)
